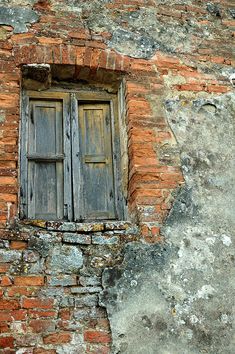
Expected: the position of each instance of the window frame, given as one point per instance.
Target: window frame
(72, 160)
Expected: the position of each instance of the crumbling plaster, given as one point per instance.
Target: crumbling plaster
(178, 297)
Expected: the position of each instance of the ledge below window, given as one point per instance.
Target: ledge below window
(78, 227)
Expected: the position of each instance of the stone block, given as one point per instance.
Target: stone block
(104, 240)
(84, 290)
(77, 238)
(86, 300)
(65, 259)
(62, 280)
(90, 281)
(9, 256)
(67, 301)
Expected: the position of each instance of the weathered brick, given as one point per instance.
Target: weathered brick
(29, 303)
(97, 337)
(57, 338)
(18, 291)
(41, 326)
(18, 245)
(7, 342)
(5, 281)
(29, 280)
(41, 313)
(9, 304)
(44, 351)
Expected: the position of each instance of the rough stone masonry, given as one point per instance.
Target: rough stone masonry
(161, 281)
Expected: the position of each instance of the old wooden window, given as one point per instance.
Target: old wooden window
(70, 156)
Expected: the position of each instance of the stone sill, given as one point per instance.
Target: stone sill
(67, 226)
(106, 232)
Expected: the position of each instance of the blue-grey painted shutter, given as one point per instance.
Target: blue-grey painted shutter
(97, 199)
(45, 160)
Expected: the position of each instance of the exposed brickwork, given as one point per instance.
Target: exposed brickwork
(40, 309)
(46, 308)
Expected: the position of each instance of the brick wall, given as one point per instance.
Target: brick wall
(47, 306)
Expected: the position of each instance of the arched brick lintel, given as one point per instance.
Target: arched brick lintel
(93, 58)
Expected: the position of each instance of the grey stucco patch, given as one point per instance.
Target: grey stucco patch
(133, 44)
(178, 298)
(17, 17)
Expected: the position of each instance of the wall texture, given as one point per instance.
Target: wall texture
(163, 281)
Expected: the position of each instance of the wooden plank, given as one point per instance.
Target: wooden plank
(77, 176)
(119, 195)
(95, 139)
(45, 166)
(45, 117)
(45, 191)
(68, 207)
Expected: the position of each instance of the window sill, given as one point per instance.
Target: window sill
(68, 226)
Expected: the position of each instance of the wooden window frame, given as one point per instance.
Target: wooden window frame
(72, 160)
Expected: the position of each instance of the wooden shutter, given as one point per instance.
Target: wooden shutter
(45, 196)
(97, 192)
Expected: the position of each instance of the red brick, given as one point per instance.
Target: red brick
(18, 245)
(19, 315)
(142, 66)
(80, 34)
(219, 89)
(57, 338)
(41, 326)
(9, 304)
(6, 281)
(29, 280)
(46, 40)
(191, 87)
(97, 337)
(9, 100)
(103, 59)
(30, 303)
(87, 56)
(41, 313)
(4, 327)
(228, 23)
(4, 267)
(5, 316)
(6, 342)
(95, 58)
(44, 351)
(22, 38)
(7, 197)
(65, 314)
(18, 291)
(80, 52)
